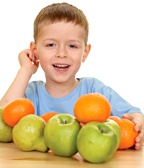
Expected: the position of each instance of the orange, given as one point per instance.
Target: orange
(16, 109)
(128, 133)
(48, 115)
(92, 107)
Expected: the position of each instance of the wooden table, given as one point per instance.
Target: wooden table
(12, 157)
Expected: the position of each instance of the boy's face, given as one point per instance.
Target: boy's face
(61, 49)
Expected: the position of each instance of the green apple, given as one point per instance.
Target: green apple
(28, 133)
(116, 127)
(60, 134)
(96, 142)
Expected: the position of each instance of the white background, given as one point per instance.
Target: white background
(116, 36)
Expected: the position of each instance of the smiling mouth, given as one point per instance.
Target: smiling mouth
(61, 66)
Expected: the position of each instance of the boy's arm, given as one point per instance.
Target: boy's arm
(17, 89)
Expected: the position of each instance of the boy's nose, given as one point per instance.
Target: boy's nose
(61, 52)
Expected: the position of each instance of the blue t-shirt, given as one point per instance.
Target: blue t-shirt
(44, 102)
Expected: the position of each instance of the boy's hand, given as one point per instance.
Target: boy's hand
(138, 120)
(28, 60)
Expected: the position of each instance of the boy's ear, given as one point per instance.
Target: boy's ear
(86, 52)
(33, 48)
(32, 45)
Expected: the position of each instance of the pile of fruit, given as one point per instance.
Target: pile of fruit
(91, 132)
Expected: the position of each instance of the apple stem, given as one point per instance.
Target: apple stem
(102, 130)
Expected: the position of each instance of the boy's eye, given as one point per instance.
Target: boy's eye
(72, 46)
(51, 45)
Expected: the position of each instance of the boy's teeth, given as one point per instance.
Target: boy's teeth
(61, 66)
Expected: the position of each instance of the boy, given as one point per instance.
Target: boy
(60, 46)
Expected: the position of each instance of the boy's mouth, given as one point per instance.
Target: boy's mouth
(60, 66)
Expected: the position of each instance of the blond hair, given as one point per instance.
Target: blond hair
(58, 12)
